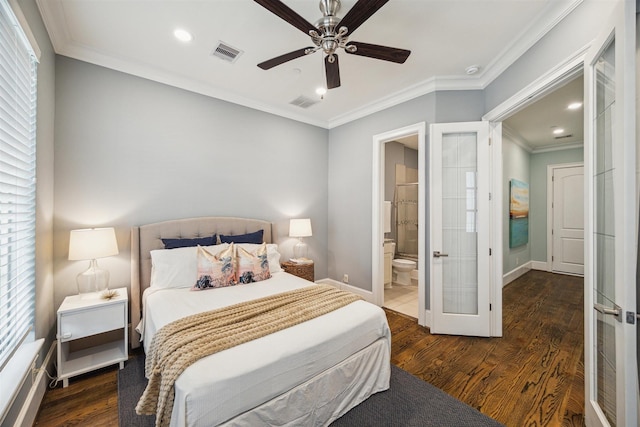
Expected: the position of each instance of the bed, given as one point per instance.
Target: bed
(308, 374)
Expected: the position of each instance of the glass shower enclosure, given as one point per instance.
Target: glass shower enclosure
(406, 210)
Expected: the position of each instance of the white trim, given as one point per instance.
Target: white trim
(26, 30)
(564, 72)
(367, 295)
(15, 373)
(495, 227)
(53, 16)
(556, 11)
(516, 138)
(558, 147)
(540, 265)
(377, 219)
(515, 273)
(550, 170)
(27, 415)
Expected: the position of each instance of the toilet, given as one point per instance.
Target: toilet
(402, 269)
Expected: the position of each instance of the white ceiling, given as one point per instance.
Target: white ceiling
(534, 125)
(445, 37)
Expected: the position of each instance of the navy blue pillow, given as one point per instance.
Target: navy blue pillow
(186, 243)
(255, 237)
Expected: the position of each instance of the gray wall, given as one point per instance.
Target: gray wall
(516, 165)
(351, 176)
(538, 196)
(577, 30)
(130, 151)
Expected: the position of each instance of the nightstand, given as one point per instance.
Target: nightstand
(304, 271)
(92, 333)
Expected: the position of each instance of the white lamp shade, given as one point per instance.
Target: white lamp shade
(300, 227)
(92, 243)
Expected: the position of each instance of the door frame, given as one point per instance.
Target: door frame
(377, 216)
(558, 76)
(550, 208)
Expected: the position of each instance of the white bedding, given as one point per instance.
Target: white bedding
(226, 384)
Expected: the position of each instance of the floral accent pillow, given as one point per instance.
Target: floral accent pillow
(215, 271)
(252, 266)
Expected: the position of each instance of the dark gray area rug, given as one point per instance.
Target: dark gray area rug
(408, 402)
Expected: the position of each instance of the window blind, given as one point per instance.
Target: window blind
(18, 68)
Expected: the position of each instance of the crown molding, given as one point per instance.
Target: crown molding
(55, 23)
(558, 147)
(516, 138)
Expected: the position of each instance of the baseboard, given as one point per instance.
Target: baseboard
(27, 415)
(366, 295)
(540, 265)
(515, 273)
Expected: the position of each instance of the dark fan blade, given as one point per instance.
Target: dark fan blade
(283, 11)
(282, 58)
(359, 13)
(380, 52)
(332, 71)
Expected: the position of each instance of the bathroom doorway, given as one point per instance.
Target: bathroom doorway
(398, 220)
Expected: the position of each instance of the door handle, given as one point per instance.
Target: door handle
(437, 254)
(615, 311)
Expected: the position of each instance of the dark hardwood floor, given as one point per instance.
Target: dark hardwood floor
(532, 376)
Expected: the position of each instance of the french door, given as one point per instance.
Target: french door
(611, 376)
(459, 228)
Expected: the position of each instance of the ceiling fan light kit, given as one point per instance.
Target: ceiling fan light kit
(331, 33)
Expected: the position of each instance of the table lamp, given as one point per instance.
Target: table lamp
(91, 244)
(300, 228)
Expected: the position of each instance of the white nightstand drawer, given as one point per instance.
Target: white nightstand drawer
(83, 323)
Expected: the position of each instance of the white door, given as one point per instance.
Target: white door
(459, 229)
(611, 377)
(568, 220)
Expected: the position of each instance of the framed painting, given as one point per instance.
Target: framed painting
(518, 213)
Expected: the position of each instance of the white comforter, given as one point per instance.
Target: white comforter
(223, 385)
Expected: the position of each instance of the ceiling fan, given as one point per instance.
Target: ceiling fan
(331, 33)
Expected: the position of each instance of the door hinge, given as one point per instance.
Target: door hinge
(489, 196)
(489, 307)
(489, 141)
(489, 251)
(552, 258)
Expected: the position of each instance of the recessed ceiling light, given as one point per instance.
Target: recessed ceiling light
(574, 105)
(321, 91)
(558, 131)
(183, 35)
(472, 69)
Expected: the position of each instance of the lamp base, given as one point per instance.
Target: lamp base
(94, 279)
(300, 250)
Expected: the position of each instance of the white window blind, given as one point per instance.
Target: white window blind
(17, 183)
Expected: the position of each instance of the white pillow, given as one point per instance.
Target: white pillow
(273, 256)
(177, 268)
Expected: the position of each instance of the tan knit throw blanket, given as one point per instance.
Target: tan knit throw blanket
(183, 342)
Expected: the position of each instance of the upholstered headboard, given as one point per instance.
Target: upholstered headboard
(148, 237)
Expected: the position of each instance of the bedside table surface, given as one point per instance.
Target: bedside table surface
(83, 301)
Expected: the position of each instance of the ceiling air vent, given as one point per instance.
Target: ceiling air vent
(226, 52)
(304, 102)
(564, 136)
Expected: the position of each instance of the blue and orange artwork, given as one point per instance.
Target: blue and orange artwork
(518, 213)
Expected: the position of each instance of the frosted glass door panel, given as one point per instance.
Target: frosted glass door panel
(459, 223)
(604, 232)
